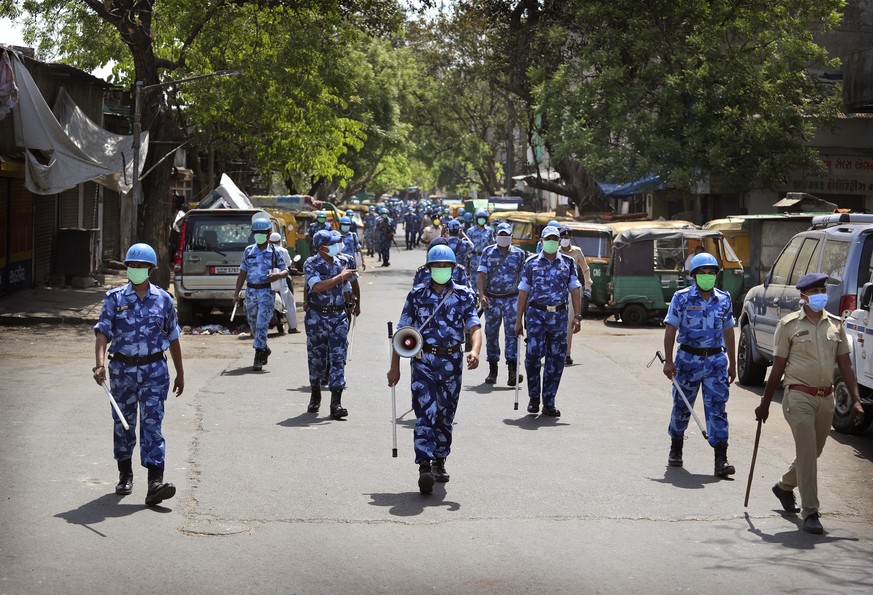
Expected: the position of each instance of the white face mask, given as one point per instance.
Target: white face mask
(565, 242)
(504, 241)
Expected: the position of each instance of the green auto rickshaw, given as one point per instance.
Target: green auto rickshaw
(649, 265)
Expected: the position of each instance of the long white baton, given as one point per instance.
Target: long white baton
(115, 406)
(681, 394)
(393, 392)
(351, 340)
(233, 313)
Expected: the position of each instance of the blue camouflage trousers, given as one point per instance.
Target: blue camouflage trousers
(144, 388)
(691, 372)
(546, 338)
(259, 311)
(326, 335)
(474, 273)
(436, 386)
(501, 310)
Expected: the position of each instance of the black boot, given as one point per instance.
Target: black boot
(258, 364)
(674, 459)
(533, 406)
(337, 411)
(513, 373)
(492, 373)
(439, 471)
(314, 400)
(722, 467)
(265, 355)
(550, 411)
(425, 478)
(280, 323)
(158, 490)
(125, 478)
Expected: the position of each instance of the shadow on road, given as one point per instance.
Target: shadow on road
(487, 389)
(862, 444)
(681, 478)
(414, 503)
(241, 371)
(303, 388)
(797, 539)
(305, 420)
(107, 506)
(534, 422)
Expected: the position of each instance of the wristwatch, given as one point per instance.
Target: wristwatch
(95, 368)
(578, 317)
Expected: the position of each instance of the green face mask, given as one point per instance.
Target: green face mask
(550, 246)
(481, 220)
(137, 276)
(705, 282)
(260, 238)
(441, 275)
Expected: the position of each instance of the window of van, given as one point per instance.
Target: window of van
(834, 259)
(807, 259)
(219, 234)
(782, 267)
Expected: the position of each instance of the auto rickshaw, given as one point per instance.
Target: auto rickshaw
(595, 241)
(648, 267)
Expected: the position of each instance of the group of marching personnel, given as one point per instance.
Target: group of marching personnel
(472, 272)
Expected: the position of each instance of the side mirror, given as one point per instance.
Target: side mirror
(296, 258)
(866, 296)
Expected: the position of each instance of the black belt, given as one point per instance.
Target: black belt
(327, 309)
(257, 285)
(477, 253)
(500, 295)
(557, 308)
(137, 360)
(701, 351)
(441, 351)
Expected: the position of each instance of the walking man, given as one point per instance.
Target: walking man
(575, 252)
(546, 279)
(499, 274)
(806, 345)
(481, 236)
(329, 276)
(286, 292)
(441, 311)
(139, 324)
(702, 317)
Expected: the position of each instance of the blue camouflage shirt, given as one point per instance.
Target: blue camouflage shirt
(316, 268)
(504, 279)
(446, 329)
(481, 238)
(462, 247)
(351, 244)
(547, 283)
(700, 323)
(257, 263)
(316, 226)
(138, 327)
(459, 275)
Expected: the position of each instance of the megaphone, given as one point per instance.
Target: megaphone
(407, 342)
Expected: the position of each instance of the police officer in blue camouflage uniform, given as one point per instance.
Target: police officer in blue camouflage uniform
(499, 274)
(257, 261)
(317, 225)
(353, 227)
(702, 315)
(481, 236)
(139, 324)
(351, 244)
(468, 220)
(422, 275)
(459, 243)
(385, 228)
(441, 311)
(410, 228)
(546, 279)
(330, 275)
(370, 230)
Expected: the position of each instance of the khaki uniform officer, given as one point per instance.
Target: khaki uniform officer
(807, 343)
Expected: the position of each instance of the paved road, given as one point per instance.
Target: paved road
(272, 499)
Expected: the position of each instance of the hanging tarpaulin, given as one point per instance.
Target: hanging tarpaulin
(74, 149)
(646, 184)
(8, 88)
(226, 195)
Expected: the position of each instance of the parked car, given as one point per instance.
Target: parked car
(206, 264)
(841, 246)
(859, 326)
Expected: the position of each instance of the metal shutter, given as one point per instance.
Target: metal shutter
(44, 225)
(68, 209)
(89, 206)
(111, 225)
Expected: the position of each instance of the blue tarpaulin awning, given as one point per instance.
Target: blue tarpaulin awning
(646, 184)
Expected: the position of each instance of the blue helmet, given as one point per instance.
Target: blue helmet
(371, 208)
(461, 212)
(350, 213)
(441, 254)
(481, 213)
(383, 211)
(554, 223)
(321, 214)
(454, 225)
(704, 259)
(141, 253)
(345, 221)
(468, 217)
(261, 224)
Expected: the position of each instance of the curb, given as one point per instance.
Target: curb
(17, 320)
